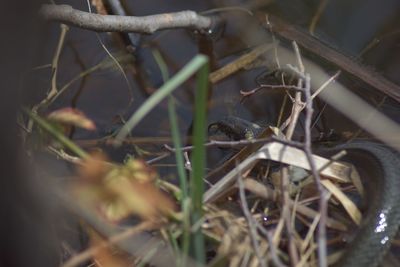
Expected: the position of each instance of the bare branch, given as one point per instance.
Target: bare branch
(111, 23)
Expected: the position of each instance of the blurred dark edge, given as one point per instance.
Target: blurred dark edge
(26, 237)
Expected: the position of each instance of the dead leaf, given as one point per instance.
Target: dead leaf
(118, 191)
(106, 256)
(135, 197)
(72, 117)
(94, 168)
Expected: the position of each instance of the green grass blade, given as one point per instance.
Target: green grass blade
(192, 67)
(56, 134)
(180, 163)
(198, 161)
(161, 64)
(174, 129)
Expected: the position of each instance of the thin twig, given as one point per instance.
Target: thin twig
(250, 221)
(316, 17)
(273, 249)
(316, 93)
(56, 59)
(297, 107)
(116, 8)
(243, 142)
(54, 68)
(322, 253)
(325, 84)
(65, 156)
(112, 23)
(130, 88)
(269, 86)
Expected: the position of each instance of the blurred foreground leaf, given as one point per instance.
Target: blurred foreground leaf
(118, 191)
(72, 117)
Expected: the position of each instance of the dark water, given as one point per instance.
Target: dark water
(105, 96)
(347, 25)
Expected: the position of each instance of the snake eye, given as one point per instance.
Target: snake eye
(216, 132)
(213, 129)
(249, 135)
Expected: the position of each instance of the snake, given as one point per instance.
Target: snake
(379, 169)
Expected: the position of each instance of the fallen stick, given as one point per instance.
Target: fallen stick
(347, 64)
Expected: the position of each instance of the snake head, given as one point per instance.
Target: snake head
(233, 128)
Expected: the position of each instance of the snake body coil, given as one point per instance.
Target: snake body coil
(379, 168)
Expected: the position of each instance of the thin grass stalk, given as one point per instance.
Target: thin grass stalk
(176, 139)
(198, 161)
(56, 134)
(180, 163)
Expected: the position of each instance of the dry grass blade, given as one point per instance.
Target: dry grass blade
(281, 153)
(349, 206)
(264, 192)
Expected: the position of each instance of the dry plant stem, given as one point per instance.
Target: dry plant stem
(213, 143)
(291, 121)
(307, 240)
(121, 69)
(307, 149)
(65, 156)
(344, 101)
(282, 110)
(56, 58)
(54, 67)
(316, 17)
(297, 107)
(273, 250)
(315, 94)
(239, 63)
(239, 143)
(111, 23)
(87, 254)
(117, 8)
(266, 193)
(154, 160)
(109, 141)
(325, 84)
(294, 116)
(81, 75)
(286, 215)
(247, 93)
(322, 254)
(250, 221)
